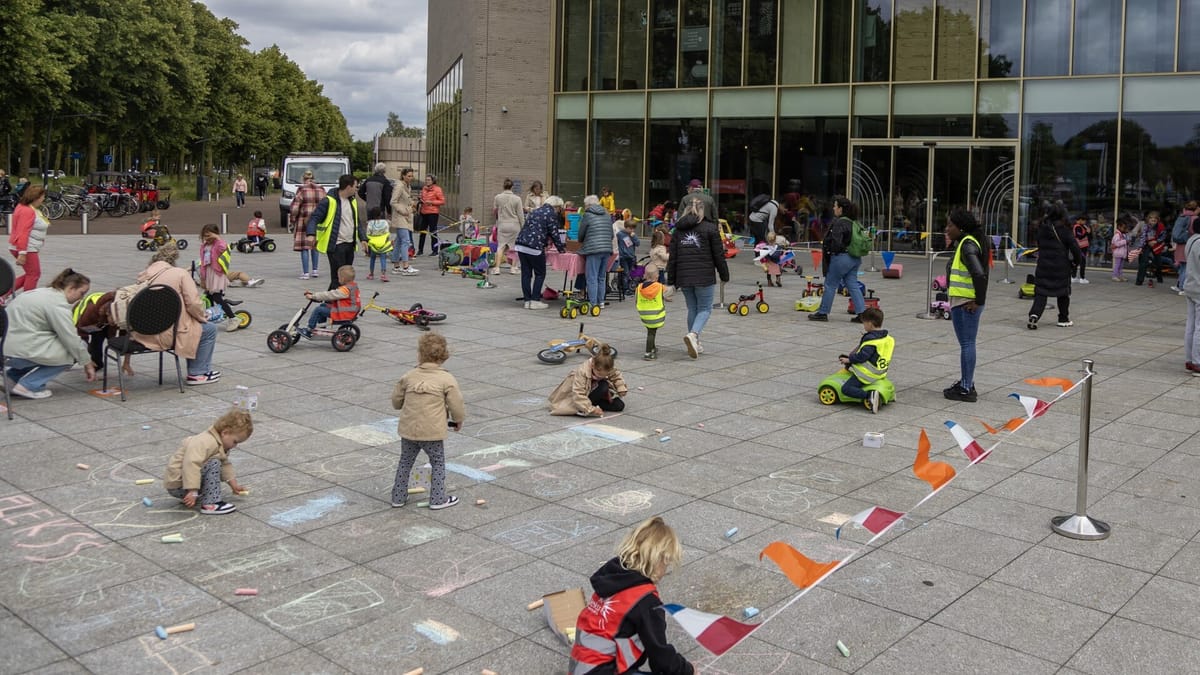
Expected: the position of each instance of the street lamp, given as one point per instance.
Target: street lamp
(46, 150)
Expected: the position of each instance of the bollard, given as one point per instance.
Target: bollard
(83, 222)
(1009, 258)
(1079, 525)
(224, 223)
(929, 288)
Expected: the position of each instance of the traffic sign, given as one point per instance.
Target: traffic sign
(76, 155)
(108, 159)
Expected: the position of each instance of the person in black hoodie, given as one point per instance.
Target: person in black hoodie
(697, 258)
(1058, 253)
(624, 627)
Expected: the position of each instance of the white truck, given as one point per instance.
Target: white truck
(327, 167)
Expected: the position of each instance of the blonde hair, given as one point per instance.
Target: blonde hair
(652, 545)
(694, 207)
(432, 348)
(237, 421)
(604, 359)
(167, 253)
(346, 272)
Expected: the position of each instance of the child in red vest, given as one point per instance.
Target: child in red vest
(256, 229)
(623, 629)
(341, 304)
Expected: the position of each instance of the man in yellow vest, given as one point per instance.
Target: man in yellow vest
(967, 277)
(337, 228)
(869, 362)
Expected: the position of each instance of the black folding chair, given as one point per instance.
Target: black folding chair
(6, 285)
(153, 310)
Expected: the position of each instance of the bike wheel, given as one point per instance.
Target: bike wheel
(243, 318)
(744, 310)
(132, 205)
(142, 244)
(553, 356)
(181, 243)
(732, 308)
(54, 209)
(343, 339)
(268, 246)
(279, 341)
(433, 317)
(91, 208)
(763, 307)
(611, 349)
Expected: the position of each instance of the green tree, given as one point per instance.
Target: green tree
(395, 127)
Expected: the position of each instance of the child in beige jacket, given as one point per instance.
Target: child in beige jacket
(591, 389)
(429, 400)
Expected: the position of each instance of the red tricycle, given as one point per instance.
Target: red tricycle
(742, 306)
(416, 315)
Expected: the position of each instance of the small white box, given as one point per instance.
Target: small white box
(873, 439)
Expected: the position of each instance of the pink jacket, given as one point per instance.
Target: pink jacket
(432, 199)
(190, 318)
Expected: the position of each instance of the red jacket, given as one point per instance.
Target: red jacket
(432, 199)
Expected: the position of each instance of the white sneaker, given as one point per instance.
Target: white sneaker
(873, 400)
(1175, 288)
(1074, 280)
(699, 345)
(254, 283)
(232, 324)
(409, 271)
(19, 390)
(526, 304)
(1084, 281)
(537, 304)
(1066, 324)
(691, 342)
(303, 276)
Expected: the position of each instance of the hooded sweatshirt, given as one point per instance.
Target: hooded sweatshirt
(647, 619)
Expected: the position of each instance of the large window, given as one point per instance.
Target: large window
(913, 37)
(570, 146)
(1047, 36)
(575, 43)
(676, 157)
(1097, 34)
(1000, 35)
(1149, 29)
(604, 45)
(634, 22)
(1189, 28)
(956, 40)
(812, 168)
(762, 24)
(833, 44)
(664, 17)
(742, 166)
(1160, 144)
(444, 105)
(727, 71)
(873, 47)
(617, 161)
(693, 44)
(798, 47)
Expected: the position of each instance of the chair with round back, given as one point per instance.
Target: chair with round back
(153, 310)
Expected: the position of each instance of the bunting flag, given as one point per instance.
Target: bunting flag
(714, 632)
(875, 520)
(936, 474)
(1051, 382)
(970, 447)
(801, 570)
(987, 427)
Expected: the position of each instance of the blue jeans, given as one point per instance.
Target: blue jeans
(32, 376)
(1191, 334)
(204, 351)
(853, 387)
(699, 306)
(319, 315)
(595, 276)
(966, 327)
(305, 257)
(401, 245)
(533, 275)
(241, 197)
(843, 271)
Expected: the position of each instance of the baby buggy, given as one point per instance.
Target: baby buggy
(155, 234)
(343, 335)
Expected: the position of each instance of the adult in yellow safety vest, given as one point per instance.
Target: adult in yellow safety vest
(337, 228)
(653, 313)
(967, 276)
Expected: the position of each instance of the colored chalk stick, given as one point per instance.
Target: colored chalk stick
(246, 591)
(415, 490)
(700, 425)
(750, 612)
(85, 467)
(143, 481)
(485, 671)
(536, 604)
(664, 439)
(243, 492)
(147, 501)
(841, 646)
(730, 532)
(145, 427)
(418, 671)
(172, 538)
(422, 505)
(480, 502)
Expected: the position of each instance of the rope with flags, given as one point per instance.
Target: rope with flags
(719, 634)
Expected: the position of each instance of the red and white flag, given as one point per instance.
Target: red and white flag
(718, 634)
(970, 447)
(875, 520)
(1034, 407)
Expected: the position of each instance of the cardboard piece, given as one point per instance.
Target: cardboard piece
(561, 609)
(894, 272)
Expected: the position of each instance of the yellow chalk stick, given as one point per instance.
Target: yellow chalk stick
(536, 604)
(143, 481)
(243, 492)
(485, 671)
(415, 490)
(176, 538)
(418, 671)
(480, 502)
(85, 467)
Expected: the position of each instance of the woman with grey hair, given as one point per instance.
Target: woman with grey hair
(195, 337)
(596, 246)
(543, 226)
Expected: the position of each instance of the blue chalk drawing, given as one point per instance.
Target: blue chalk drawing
(609, 432)
(470, 472)
(315, 508)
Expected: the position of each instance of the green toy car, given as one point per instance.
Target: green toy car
(830, 390)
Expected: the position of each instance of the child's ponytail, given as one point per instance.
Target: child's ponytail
(603, 360)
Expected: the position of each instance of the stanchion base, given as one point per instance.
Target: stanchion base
(928, 315)
(1007, 281)
(1080, 527)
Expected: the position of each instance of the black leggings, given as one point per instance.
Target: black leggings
(606, 399)
(1064, 307)
(428, 224)
(218, 298)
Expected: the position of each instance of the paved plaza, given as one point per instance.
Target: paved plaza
(973, 581)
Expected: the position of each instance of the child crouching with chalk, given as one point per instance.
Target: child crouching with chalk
(591, 389)
(428, 399)
(196, 470)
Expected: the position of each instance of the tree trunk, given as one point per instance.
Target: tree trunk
(26, 150)
(93, 149)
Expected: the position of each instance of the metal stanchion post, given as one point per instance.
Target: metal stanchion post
(929, 289)
(83, 222)
(1008, 262)
(224, 223)
(721, 302)
(1079, 525)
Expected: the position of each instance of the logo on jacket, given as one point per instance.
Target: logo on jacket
(691, 239)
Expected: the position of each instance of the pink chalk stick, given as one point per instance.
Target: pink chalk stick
(246, 591)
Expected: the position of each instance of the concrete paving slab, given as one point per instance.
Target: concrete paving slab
(953, 651)
(1123, 646)
(901, 584)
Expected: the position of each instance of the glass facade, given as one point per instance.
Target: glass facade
(910, 106)
(443, 114)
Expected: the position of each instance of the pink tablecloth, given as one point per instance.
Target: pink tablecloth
(570, 263)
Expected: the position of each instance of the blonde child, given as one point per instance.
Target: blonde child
(591, 389)
(379, 242)
(1120, 249)
(196, 470)
(429, 400)
(656, 269)
(623, 629)
(215, 274)
(256, 229)
(653, 313)
(469, 223)
(770, 261)
(150, 226)
(340, 304)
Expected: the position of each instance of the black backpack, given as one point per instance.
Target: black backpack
(759, 201)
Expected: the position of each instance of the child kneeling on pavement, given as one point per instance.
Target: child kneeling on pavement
(591, 389)
(196, 470)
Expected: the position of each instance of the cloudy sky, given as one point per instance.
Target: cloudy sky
(369, 55)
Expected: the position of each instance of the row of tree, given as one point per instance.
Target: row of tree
(163, 82)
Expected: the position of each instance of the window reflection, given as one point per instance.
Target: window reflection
(1047, 37)
(1068, 157)
(812, 169)
(665, 20)
(1189, 28)
(762, 23)
(914, 49)
(617, 161)
(873, 47)
(693, 44)
(956, 40)
(742, 165)
(1158, 161)
(1149, 33)
(833, 48)
(1000, 34)
(570, 147)
(796, 47)
(574, 57)
(634, 23)
(604, 45)
(677, 157)
(1097, 37)
(728, 34)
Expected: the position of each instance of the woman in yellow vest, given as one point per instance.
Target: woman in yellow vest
(967, 276)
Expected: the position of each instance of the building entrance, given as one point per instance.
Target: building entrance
(906, 189)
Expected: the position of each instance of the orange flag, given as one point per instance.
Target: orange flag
(1014, 423)
(990, 429)
(802, 571)
(1051, 382)
(934, 473)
